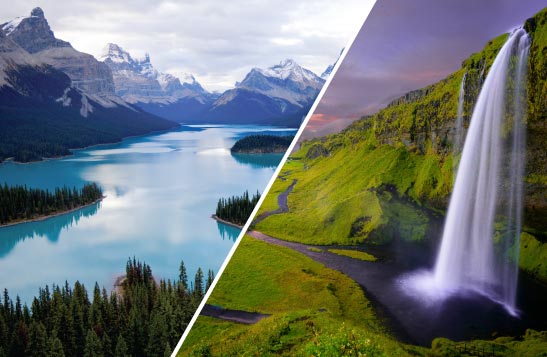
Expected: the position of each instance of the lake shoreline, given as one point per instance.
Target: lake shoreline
(72, 150)
(216, 218)
(46, 217)
(260, 151)
(145, 185)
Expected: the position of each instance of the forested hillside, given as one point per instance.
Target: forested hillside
(142, 318)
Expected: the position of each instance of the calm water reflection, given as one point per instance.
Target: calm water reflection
(161, 191)
(227, 232)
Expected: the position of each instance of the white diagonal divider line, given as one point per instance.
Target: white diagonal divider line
(270, 183)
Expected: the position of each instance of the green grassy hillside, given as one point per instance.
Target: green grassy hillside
(314, 310)
(388, 175)
(385, 175)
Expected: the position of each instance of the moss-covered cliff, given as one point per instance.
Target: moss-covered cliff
(389, 175)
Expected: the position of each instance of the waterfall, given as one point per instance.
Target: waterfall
(511, 241)
(473, 256)
(458, 137)
(466, 258)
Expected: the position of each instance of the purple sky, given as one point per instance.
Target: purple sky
(405, 45)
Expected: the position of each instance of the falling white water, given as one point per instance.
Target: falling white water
(468, 258)
(510, 246)
(458, 137)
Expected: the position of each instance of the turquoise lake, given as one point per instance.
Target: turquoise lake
(160, 193)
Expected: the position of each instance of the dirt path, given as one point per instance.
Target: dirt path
(353, 268)
(239, 316)
(282, 203)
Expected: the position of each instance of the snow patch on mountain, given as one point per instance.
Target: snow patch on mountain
(288, 69)
(29, 41)
(286, 80)
(9, 26)
(138, 81)
(185, 77)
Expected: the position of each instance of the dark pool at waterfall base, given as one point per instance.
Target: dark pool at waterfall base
(160, 189)
(414, 319)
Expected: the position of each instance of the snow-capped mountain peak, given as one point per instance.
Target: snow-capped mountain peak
(116, 54)
(32, 32)
(185, 77)
(9, 26)
(288, 69)
(34, 35)
(146, 67)
(327, 72)
(137, 80)
(286, 80)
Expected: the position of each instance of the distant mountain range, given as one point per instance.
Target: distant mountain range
(54, 98)
(180, 98)
(281, 94)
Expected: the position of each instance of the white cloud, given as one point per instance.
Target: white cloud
(217, 41)
(284, 41)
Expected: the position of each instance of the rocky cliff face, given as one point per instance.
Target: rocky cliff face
(86, 73)
(137, 81)
(32, 32)
(34, 35)
(54, 98)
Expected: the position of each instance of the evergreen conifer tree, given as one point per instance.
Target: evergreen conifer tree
(93, 346)
(121, 348)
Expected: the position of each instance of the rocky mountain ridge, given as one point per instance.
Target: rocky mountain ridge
(54, 98)
(33, 34)
(137, 81)
(280, 94)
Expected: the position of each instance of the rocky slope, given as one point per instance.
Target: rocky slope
(34, 35)
(180, 98)
(137, 81)
(280, 94)
(53, 98)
